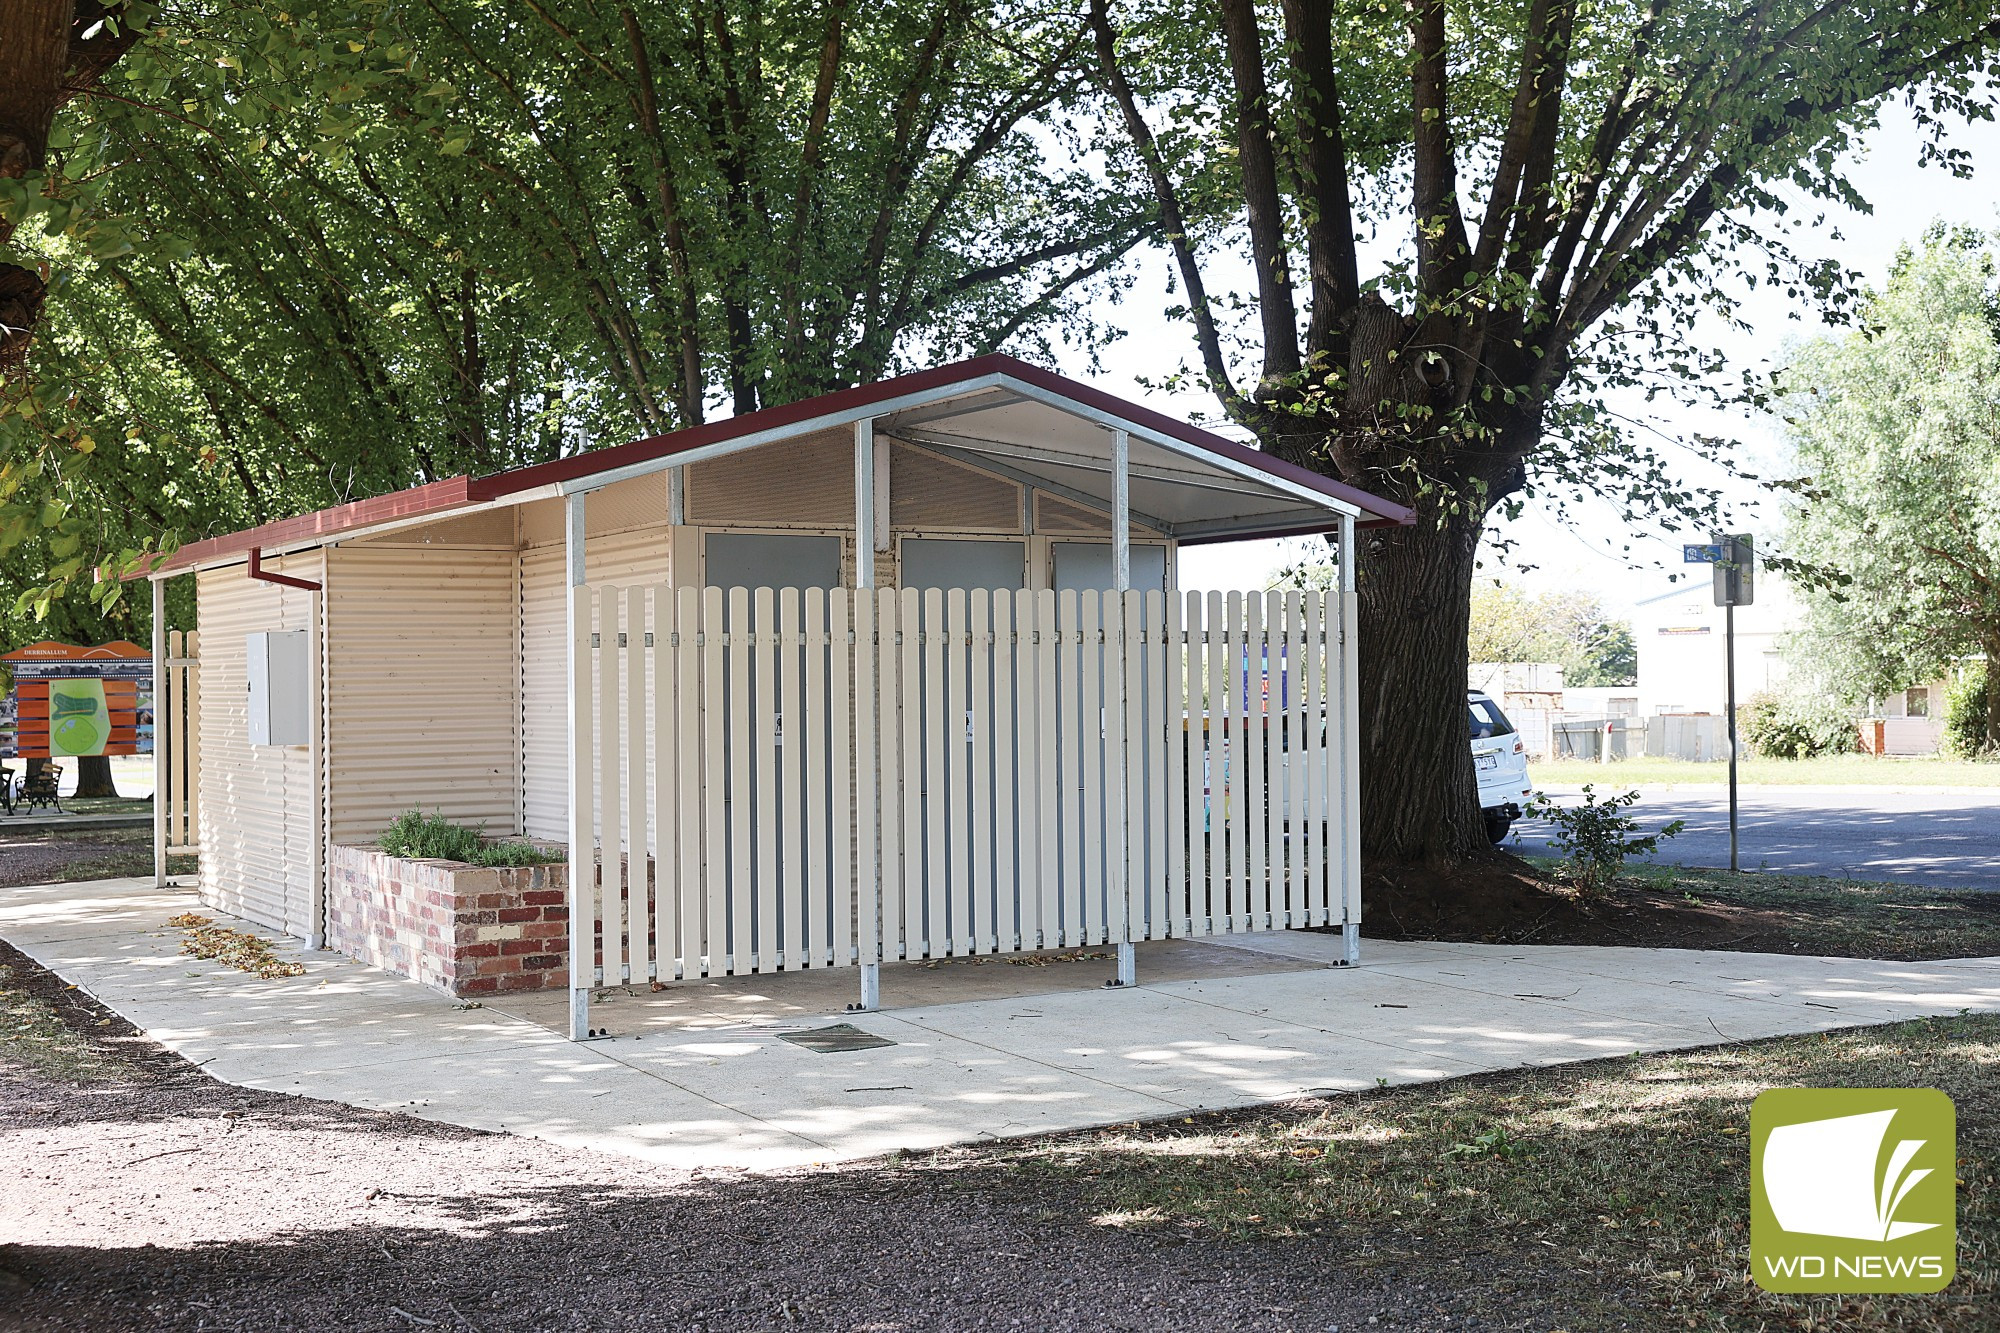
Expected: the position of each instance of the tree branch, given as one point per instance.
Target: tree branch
(1168, 202)
(1441, 246)
(1258, 166)
(1328, 210)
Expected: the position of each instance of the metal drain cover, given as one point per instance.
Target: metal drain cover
(835, 1039)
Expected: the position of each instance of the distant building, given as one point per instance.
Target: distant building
(1680, 638)
(1679, 635)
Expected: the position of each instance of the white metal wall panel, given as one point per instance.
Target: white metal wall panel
(640, 555)
(423, 687)
(258, 805)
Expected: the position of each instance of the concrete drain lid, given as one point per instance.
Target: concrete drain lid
(835, 1039)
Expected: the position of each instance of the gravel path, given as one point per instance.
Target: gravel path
(166, 1200)
(41, 858)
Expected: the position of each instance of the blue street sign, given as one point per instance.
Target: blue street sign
(1707, 553)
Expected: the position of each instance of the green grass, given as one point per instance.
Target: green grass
(1633, 1171)
(1834, 771)
(34, 1036)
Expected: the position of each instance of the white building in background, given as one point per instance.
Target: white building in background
(1679, 635)
(1681, 655)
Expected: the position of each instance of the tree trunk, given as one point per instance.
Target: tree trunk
(1419, 798)
(93, 776)
(1992, 745)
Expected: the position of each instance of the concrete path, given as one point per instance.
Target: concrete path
(1942, 838)
(714, 1086)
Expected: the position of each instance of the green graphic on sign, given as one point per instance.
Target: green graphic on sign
(79, 722)
(1852, 1190)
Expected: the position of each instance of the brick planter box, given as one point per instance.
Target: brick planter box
(466, 930)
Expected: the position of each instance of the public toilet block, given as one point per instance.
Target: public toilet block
(900, 672)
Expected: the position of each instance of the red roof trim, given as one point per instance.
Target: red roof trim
(417, 502)
(459, 492)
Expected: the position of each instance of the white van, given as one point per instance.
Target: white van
(1500, 762)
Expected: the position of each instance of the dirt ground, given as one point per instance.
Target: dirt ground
(1506, 900)
(141, 1194)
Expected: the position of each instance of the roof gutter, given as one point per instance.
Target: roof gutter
(257, 572)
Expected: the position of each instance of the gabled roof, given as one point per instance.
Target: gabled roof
(996, 411)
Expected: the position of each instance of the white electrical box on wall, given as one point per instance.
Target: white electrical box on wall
(280, 695)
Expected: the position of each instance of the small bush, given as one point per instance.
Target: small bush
(1796, 726)
(1965, 716)
(1595, 839)
(416, 836)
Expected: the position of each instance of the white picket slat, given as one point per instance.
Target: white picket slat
(957, 787)
(1346, 764)
(1004, 714)
(611, 879)
(910, 719)
(1050, 788)
(854, 781)
(980, 792)
(1257, 874)
(639, 911)
(1315, 838)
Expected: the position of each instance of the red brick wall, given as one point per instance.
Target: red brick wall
(462, 929)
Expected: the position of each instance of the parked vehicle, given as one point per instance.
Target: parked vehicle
(1500, 762)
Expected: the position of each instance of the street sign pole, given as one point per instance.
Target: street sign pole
(1729, 650)
(1735, 574)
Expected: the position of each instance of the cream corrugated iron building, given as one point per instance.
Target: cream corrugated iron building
(438, 622)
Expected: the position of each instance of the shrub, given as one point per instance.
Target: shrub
(1595, 838)
(1965, 716)
(416, 836)
(1796, 726)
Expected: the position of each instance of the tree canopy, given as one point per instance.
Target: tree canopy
(1896, 432)
(306, 253)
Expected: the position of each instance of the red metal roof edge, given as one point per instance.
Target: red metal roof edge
(415, 502)
(458, 492)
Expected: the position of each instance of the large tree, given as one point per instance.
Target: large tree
(50, 52)
(1466, 223)
(1896, 433)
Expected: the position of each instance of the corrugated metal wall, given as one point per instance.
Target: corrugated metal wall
(423, 687)
(258, 804)
(638, 555)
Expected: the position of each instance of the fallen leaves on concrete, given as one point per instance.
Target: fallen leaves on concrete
(232, 948)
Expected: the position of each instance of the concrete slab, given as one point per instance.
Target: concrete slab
(697, 1075)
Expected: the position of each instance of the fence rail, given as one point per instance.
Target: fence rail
(788, 778)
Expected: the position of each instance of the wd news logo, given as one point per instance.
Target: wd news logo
(1853, 1190)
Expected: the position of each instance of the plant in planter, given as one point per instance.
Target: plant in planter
(416, 836)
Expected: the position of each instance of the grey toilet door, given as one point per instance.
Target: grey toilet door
(770, 560)
(933, 562)
(766, 560)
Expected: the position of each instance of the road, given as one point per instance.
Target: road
(1942, 839)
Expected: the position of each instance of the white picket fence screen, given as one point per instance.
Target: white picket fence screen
(793, 778)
